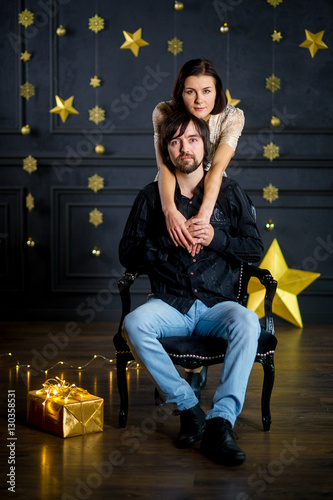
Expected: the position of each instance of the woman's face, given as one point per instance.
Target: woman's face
(199, 95)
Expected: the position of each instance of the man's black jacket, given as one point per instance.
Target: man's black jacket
(176, 277)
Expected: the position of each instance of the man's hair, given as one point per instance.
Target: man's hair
(180, 121)
(198, 67)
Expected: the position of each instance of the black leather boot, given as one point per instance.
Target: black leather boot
(219, 445)
(192, 424)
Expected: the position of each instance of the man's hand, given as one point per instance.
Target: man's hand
(176, 226)
(201, 233)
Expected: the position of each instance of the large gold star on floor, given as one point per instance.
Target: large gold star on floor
(134, 41)
(290, 283)
(314, 42)
(64, 108)
(232, 101)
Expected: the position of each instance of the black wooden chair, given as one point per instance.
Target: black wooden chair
(193, 352)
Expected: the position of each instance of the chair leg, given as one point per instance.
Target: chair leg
(123, 391)
(269, 373)
(158, 400)
(197, 380)
(203, 374)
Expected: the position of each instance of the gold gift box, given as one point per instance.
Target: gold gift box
(74, 417)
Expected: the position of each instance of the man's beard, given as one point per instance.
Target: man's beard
(187, 166)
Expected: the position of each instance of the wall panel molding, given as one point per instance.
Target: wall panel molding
(11, 239)
(74, 269)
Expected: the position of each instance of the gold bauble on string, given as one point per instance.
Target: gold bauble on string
(224, 28)
(61, 31)
(99, 149)
(25, 130)
(275, 121)
(178, 6)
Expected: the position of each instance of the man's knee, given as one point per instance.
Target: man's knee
(130, 326)
(248, 323)
(138, 325)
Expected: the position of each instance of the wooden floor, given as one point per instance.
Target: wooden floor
(293, 461)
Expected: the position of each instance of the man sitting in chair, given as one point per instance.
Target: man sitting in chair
(194, 293)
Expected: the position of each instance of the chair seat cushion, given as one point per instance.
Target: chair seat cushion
(193, 351)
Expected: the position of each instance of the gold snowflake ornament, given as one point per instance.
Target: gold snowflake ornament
(96, 23)
(95, 217)
(273, 83)
(274, 3)
(30, 202)
(26, 18)
(270, 193)
(175, 46)
(95, 82)
(276, 36)
(96, 115)
(29, 164)
(95, 183)
(271, 151)
(27, 90)
(25, 56)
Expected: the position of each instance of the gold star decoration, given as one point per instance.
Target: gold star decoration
(276, 36)
(64, 108)
(95, 217)
(96, 23)
(27, 90)
(95, 82)
(232, 101)
(134, 41)
(29, 164)
(274, 3)
(26, 18)
(175, 46)
(290, 283)
(314, 42)
(271, 151)
(25, 56)
(30, 202)
(272, 83)
(95, 183)
(270, 193)
(96, 115)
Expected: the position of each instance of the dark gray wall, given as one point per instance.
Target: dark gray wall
(59, 278)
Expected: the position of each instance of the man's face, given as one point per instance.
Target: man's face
(187, 151)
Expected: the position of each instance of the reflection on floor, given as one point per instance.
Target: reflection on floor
(293, 461)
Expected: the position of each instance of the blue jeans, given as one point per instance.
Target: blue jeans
(229, 320)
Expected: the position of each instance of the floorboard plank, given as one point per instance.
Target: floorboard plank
(293, 461)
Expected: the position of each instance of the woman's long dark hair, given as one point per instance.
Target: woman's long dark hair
(198, 67)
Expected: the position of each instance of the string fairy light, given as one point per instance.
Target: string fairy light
(130, 365)
(56, 388)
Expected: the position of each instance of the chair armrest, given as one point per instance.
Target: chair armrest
(267, 280)
(124, 285)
